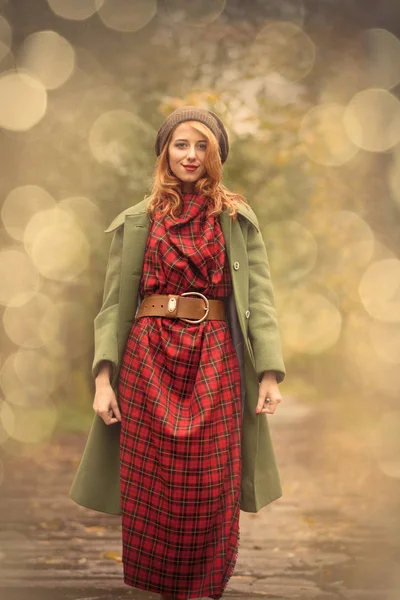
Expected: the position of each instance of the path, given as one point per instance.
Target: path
(335, 533)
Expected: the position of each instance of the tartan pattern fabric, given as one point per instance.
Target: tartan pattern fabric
(180, 441)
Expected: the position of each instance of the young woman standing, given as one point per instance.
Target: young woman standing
(177, 389)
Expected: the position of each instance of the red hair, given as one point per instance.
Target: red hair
(166, 193)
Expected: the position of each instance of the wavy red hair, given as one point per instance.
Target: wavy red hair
(166, 194)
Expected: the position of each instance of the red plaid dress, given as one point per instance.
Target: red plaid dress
(180, 443)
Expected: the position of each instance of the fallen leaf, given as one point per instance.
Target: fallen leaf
(112, 556)
(98, 529)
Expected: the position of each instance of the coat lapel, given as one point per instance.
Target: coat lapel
(136, 229)
(237, 253)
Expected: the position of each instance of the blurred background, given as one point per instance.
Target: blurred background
(309, 93)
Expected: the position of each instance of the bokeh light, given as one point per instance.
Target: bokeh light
(6, 419)
(29, 370)
(66, 331)
(283, 48)
(370, 372)
(310, 323)
(19, 279)
(126, 16)
(88, 217)
(195, 13)
(23, 101)
(57, 245)
(22, 396)
(324, 137)
(47, 56)
(29, 425)
(20, 205)
(354, 244)
(23, 324)
(383, 66)
(77, 10)
(394, 176)
(353, 237)
(379, 290)
(111, 138)
(3, 433)
(385, 340)
(373, 375)
(372, 120)
(291, 261)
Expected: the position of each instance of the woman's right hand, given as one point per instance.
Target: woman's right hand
(105, 402)
(105, 405)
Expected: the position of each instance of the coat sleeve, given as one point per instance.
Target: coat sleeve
(264, 332)
(106, 322)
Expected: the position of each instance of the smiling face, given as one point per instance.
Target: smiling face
(186, 155)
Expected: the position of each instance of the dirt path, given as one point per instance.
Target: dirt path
(334, 534)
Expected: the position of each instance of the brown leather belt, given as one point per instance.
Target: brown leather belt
(192, 310)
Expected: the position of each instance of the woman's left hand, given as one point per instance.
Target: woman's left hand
(268, 389)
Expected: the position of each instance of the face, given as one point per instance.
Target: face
(186, 154)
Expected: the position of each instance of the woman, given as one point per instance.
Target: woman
(180, 371)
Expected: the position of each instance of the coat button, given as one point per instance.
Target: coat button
(236, 265)
(247, 314)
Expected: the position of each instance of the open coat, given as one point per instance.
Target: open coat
(252, 321)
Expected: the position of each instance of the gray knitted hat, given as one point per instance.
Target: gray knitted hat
(194, 113)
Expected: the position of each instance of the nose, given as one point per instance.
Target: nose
(191, 153)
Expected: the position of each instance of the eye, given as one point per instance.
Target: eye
(180, 144)
(203, 146)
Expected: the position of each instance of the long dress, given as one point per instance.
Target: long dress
(180, 441)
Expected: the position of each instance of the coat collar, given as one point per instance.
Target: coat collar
(139, 210)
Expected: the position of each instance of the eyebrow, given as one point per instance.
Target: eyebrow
(183, 140)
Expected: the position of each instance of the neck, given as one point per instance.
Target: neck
(188, 187)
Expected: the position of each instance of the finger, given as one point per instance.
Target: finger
(116, 410)
(270, 407)
(264, 400)
(269, 411)
(269, 402)
(109, 420)
(107, 417)
(261, 401)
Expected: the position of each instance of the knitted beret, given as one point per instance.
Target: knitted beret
(193, 113)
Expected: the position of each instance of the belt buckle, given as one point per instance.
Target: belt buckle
(206, 308)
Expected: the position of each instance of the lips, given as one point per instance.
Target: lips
(189, 167)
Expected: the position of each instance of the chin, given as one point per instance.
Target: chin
(189, 179)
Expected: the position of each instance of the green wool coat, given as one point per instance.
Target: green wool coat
(251, 317)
